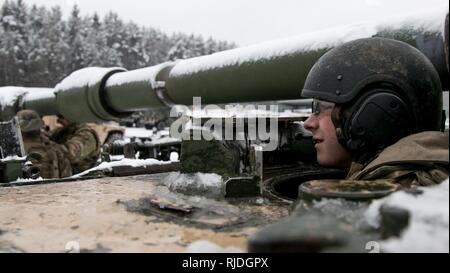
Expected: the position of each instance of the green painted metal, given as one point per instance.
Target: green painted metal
(80, 97)
(279, 77)
(43, 101)
(269, 71)
(134, 90)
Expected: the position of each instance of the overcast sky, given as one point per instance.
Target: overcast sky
(245, 21)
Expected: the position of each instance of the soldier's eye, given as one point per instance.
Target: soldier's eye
(319, 107)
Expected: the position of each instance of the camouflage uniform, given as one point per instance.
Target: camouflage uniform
(416, 160)
(47, 155)
(82, 144)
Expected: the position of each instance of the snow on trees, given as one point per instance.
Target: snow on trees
(39, 48)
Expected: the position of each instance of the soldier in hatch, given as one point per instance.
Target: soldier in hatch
(377, 113)
(45, 154)
(81, 141)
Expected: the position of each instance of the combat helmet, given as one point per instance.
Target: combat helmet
(29, 121)
(385, 90)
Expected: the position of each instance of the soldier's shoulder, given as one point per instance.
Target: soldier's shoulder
(85, 128)
(424, 147)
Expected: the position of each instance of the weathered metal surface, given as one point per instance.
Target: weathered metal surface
(313, 232)
(242, 187)
(221, 157)
(129, 170)
(347, 189)
(123, 215)
(394, 221)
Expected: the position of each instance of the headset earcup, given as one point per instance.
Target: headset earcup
(377, 121)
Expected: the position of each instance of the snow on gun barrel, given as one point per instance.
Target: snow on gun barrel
(98, 94)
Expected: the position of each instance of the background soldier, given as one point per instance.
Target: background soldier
(81, 141)
(45, 154)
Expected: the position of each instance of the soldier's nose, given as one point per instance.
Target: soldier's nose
(311, 123)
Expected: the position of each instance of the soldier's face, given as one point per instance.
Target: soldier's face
(330, 152)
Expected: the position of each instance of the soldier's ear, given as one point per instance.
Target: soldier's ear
(336, 119)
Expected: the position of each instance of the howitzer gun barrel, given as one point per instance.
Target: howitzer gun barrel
(42, 101)
(269, 71)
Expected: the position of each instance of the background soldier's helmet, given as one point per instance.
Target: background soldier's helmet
(386, 90)
(29, 121)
